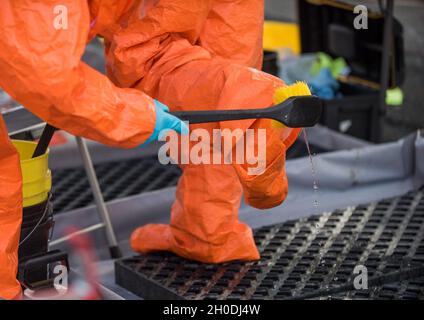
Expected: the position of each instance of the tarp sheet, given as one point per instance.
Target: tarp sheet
(347, 177)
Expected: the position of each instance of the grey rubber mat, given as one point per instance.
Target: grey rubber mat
(301, 257)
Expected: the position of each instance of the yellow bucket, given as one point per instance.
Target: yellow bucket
(279, 35)
(37, 179)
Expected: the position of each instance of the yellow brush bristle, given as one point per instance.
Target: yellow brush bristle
(296, 89)
(283, 93)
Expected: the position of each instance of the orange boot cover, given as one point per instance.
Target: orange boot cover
(10, 216)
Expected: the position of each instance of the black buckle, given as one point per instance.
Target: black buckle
(39, 262)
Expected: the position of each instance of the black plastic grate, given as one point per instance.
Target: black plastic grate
(299, 257)
(71, 189)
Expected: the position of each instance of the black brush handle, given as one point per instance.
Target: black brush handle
(44, 141)
(294, 112)
(220, 115)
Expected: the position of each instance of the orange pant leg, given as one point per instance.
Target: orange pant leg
(10, 215)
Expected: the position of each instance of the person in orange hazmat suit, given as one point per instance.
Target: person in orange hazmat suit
(188, 54)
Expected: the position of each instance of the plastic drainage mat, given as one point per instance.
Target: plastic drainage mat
(299, 257)
(118, 179)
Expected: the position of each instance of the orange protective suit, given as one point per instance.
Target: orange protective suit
(40, 63)
(188, 54)
(10, 215)
(191, 55)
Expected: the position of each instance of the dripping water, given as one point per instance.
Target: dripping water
(314, 176)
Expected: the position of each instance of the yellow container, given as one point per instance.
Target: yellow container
(37, 179)
(279, 35)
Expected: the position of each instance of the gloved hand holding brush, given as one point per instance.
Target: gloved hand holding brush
(164, 122)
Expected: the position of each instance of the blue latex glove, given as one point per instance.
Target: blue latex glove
(164, 123)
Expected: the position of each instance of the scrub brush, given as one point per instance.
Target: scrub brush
(298, 109)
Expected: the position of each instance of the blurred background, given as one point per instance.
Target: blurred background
(408, 116)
